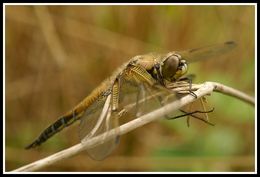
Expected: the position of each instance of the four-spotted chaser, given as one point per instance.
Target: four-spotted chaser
(137, 87)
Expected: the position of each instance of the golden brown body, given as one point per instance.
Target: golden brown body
(151, 69)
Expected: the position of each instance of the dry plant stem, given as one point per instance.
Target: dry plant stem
(203, 89)
(234, 93)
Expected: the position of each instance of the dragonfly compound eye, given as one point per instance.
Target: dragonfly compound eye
(170, 66)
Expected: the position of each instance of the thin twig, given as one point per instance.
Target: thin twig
(234, 93)
(203, 89)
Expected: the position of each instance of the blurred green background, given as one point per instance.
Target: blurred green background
(56, 55)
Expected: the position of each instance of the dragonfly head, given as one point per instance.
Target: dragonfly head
(173, 67)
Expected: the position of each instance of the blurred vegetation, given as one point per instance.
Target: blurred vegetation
(56, 55)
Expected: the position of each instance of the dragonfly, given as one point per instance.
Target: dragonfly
(137, 87)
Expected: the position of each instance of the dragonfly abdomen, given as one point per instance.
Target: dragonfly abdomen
(87, 106)
(53, 129)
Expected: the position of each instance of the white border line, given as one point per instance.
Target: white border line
(139, 4)
(4, 88)
(100, 4)
(255, 88)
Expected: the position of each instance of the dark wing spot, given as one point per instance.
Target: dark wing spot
(193, 50)
(230, 43)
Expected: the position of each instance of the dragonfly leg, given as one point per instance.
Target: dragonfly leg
(115, 95)
(197, 117)
(189, 80)
(192, 114)
(115, 106)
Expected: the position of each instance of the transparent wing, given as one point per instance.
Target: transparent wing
(99, 122)
(139, 98)
(202, 53)
(148, 98)
(135, 99)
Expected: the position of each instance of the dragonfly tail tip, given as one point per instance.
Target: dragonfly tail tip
(32, 145)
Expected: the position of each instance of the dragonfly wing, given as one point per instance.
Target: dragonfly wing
(143, 98)
(196, 54)
(90, 118)
(135, 99)
(99, 123)
(156, 97)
